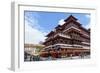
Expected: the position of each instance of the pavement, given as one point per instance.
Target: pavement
(67, 58)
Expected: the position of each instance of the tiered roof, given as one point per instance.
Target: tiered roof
(67, 21)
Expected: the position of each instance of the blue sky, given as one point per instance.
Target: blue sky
(44, 22)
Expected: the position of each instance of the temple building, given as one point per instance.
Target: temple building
(71, 38)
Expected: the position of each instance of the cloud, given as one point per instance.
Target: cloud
(61, 22)
(32, 32)
(32, 19)
(87, 26)
(88, 16)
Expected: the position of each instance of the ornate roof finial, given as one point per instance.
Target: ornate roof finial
(71, 17)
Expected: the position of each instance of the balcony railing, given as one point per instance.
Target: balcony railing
(60, 34)
(67, 46)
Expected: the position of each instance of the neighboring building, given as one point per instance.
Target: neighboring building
(31, 50)
(71, 38)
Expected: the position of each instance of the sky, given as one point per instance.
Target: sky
(39, 24)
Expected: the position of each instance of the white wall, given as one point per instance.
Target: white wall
(5, 40)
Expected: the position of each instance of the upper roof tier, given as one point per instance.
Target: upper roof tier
(70, 18)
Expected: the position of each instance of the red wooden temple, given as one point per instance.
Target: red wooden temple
(69, 39)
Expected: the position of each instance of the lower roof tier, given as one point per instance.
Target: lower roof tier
(58, 46)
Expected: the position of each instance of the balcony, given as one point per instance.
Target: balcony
(60, 34)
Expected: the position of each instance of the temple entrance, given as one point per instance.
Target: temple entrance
(65, 53)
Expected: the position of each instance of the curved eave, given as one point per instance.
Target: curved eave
(57, 36)
(52, 32)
